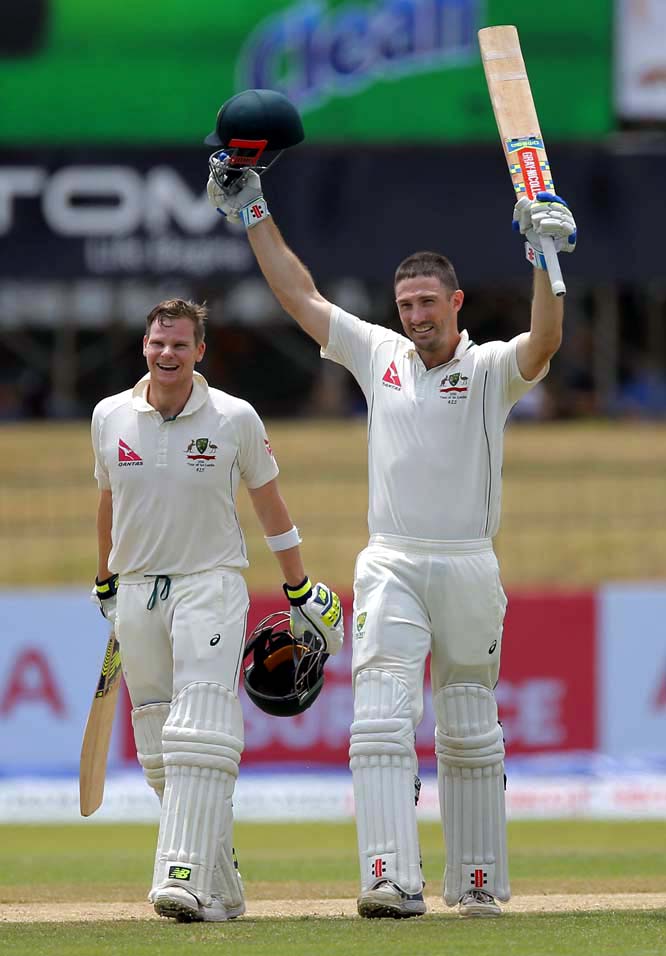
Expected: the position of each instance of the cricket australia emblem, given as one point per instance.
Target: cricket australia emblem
(201, 453)
(454, 387)
(360, 623)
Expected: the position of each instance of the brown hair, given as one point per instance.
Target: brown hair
(165, 313)
(427, 264)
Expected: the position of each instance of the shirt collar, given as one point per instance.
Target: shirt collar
(461, 348)
(198, 395)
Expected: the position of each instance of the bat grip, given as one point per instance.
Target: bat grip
(553, 266)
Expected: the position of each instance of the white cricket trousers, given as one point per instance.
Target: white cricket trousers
(194, 632)
(414, 597)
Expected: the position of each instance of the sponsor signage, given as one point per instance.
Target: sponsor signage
(131, 216)
(632, 669)
(358, 70)
(51, 650)
(573, 680)
(640, 60)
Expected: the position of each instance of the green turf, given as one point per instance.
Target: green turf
(585, 934)
(107, 863)
(112, 862)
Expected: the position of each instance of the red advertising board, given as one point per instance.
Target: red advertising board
(547, 693)
(548, 687)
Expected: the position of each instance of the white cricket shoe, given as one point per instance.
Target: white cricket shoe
(386, 900)
(478, 903)
(175, 902)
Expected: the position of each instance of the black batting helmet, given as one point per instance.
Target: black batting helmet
(254, 122)
(283, 676)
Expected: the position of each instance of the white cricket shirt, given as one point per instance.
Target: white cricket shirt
(435, 436)
(174, 482)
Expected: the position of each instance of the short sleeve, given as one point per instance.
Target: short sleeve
(503, 357)
(101, 471)
(255, 456)
(351, 343)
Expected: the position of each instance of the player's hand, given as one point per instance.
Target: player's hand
(104, 595)
(547, 215)
(237, 198)
(316, 610)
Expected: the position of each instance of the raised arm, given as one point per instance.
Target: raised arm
(537, 347)
(547, 215)
(291, 283)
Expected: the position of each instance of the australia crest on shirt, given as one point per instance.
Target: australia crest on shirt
(453, 387)
(200, 453)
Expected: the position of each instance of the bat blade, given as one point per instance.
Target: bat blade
(518, 125)
(97, 735)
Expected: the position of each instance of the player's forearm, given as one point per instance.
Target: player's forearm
(288, 278)
(291, 565)
(547, 316)
(104, 524)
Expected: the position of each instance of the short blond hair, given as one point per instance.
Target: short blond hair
(170, 309)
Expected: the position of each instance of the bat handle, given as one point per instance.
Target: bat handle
(553, 266)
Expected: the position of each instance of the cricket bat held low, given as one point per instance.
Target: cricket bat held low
(518, 125)
(97, 735)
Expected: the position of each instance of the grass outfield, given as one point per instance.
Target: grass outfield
(48, 874)
(583, 503)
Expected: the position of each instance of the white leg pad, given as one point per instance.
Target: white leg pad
(470, 770)
(202, 741)
(382, 761)
(148, 722)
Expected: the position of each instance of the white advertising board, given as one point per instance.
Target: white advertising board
(632, 670)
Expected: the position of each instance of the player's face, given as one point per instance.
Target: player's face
(428, 313)
(171, 352)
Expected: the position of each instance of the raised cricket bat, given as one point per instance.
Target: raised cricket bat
(518, 125)
(97, 735)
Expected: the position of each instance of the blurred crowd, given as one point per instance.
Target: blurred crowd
(612, 362)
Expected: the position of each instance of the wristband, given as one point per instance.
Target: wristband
(298, 595)
(536, 257)
(254, 212)
(108, 588)
(281, 542)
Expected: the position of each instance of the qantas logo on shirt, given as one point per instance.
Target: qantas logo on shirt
(126, 456)
(391, 378)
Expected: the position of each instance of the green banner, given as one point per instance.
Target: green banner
(79, 71)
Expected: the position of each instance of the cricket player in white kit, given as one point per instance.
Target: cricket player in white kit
(428, 582)
(169, 456)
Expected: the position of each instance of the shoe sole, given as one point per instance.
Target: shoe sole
(174, 909)
(480, 914)
(371, 909)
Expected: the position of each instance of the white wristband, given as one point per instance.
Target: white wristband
(280, 542)
(254, 212)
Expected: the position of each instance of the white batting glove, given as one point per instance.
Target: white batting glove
(241, 198)
(316, 610)
(104, 595)
(547, 215)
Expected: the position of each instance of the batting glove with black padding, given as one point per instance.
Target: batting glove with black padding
(104, 595)
(316, 610)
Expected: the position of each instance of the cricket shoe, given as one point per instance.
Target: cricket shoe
(175, 902)
(388, 901)
(478, 903)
